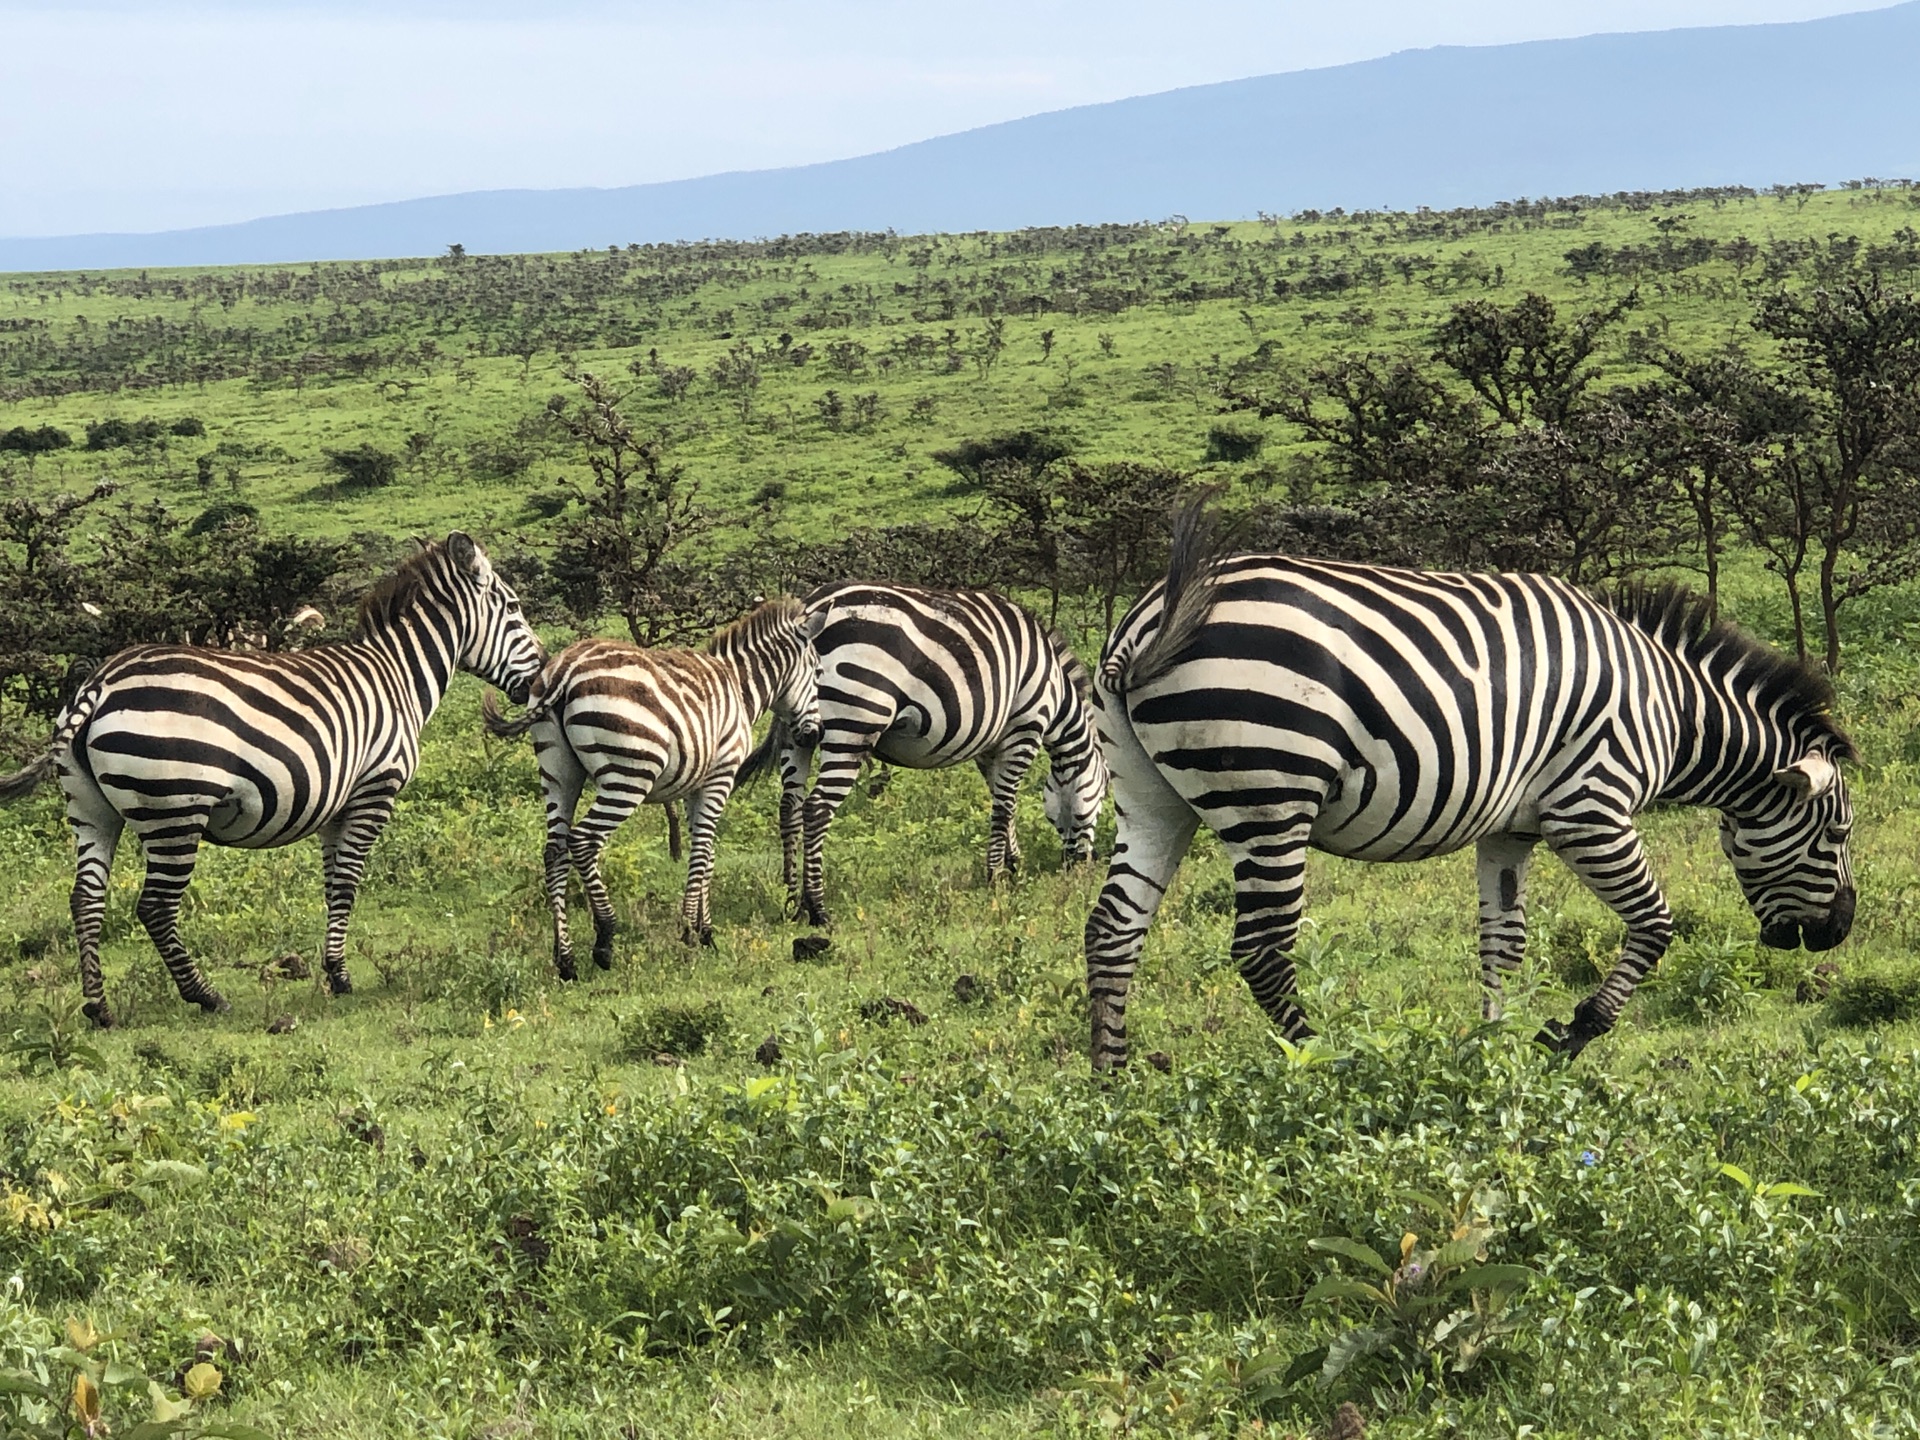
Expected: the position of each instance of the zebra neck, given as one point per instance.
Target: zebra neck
(754, 678)
(1069, 738)
(1728, 745)
(426, 658)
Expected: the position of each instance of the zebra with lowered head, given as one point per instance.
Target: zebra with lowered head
(1388, 714)
(183, 745)
(930, 678)
(652, 727)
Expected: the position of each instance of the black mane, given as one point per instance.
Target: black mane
(389, 597)
(1683, 620)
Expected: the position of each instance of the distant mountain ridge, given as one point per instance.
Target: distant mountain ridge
(1817, 100)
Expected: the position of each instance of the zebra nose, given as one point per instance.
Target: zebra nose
(1834, 928)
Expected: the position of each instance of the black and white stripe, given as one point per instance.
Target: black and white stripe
(182, 745)
(930, 678)
(1392, 715)
(653, 727)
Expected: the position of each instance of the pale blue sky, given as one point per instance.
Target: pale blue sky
(117, 115)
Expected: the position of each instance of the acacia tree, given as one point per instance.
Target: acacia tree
(1522, 360)
(614, 549)
(1839, 485)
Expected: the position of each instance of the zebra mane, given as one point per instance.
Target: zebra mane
(1683, 620)
(1193, 567)
(759, 625)
(390, 597)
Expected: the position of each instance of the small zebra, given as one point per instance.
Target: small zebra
(652, 727)
(930, 678)
(182, 745)
(1387, 714)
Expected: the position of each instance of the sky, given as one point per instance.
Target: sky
(157, 114)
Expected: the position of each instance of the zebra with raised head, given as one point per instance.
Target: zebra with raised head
(1391, 714)
(183, 745)
(929, 678)
(652, 727)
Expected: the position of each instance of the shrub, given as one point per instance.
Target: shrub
(1232, 444)
(678, 1030)
(365, 467)
(1862, 1000)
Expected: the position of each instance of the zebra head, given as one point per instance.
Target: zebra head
(496, 642)
(1789, 846)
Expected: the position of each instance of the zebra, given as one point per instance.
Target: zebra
(930, 678)
(185, 745)
(1387, 714)
(652, 727)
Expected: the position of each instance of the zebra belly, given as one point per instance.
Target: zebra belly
(253, 795)
(1306, 758)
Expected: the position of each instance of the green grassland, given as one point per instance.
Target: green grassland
(469, 1200)
(1198, 299)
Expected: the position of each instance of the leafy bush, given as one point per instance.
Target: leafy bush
(365, 467)
(1233, 444)
(682, 1031)
(1863, 1000)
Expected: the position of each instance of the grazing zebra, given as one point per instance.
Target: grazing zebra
(182, 745)
(929, 678)
(1389, 714)
(651, 727)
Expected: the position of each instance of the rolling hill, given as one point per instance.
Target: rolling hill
(1818, 100)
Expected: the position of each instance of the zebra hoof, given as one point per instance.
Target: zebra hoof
(210, 1001)
(815, 913)
(339, 983)
(563, 966)
(701, 936)
(1562, 1039)
(603, 934)
(98, 1013)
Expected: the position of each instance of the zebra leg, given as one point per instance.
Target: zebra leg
(561, 780)
(703, 819)
(96, 833)
(171, 852)
(608, 812)
(1500, 865)
(1612, 863)
(1154, 827)
(794, 763)
(344, 843)
(842, 753)
(1269, 890)
(1004, 770)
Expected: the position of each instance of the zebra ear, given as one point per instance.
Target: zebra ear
(811, 627)
(461, 548)
(1809, 777)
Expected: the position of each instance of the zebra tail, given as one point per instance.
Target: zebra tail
(30, 777)
(498, 724)
(1186, 600)
(761, 760)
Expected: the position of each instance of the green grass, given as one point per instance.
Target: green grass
(470, 1200)
(473, 404)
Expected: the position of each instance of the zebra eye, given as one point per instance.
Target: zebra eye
(1838, 832)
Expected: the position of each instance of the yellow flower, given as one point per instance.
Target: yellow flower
(86, 1397)
(202, 1380)
(80, 1333)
